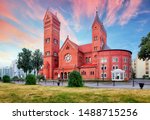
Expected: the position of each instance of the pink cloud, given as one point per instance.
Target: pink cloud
(12, 35)
(112, 8)
(6, 11)
(130, 11)
(87, 8)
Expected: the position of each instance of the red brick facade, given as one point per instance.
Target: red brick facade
(94, 61)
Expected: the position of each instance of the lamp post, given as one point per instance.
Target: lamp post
(63, 76)
(103, 71)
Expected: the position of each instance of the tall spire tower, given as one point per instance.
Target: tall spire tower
(51, 44)
(98, 34)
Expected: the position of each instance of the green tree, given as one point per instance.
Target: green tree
(144, 52)
(37, 60)
(75, 79)
(24, 61)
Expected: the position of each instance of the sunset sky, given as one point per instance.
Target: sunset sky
(21, 23)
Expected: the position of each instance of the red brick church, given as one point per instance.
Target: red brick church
(94, 60)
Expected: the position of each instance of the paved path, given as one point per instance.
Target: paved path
(126, 85)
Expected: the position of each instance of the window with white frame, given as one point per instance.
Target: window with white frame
(125, 67)
(103, 60)
(115, 59)
(125, 59)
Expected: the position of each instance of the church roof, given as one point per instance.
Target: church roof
(88, 65)
(85, 48)
(97, 19)
(49, 13)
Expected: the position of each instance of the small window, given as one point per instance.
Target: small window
(67, 48)
(103, 67)
(88, 59)
(95, 38)
(95, 48)
(103, 60)
(47, 53)
(47, 40)
(55, 42)
(55, 54)
(83, 73)
(125, 59)
(92, 73)
(115, 67)
(115, 59)
(103, 75)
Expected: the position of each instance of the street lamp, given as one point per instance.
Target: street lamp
(103, 71)
(63, 76)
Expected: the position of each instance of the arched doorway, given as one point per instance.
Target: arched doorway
(118, 74)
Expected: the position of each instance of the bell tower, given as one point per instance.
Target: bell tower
(98, 34)
(51, 44)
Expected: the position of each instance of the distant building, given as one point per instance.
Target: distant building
(16, 71)
(141, 68)
(6, 71)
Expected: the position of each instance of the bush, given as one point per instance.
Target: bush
(145, 76)
(6, 79)
(75, 79)
(0, 78)
(40, 77)
(30, 80)
(15, 78)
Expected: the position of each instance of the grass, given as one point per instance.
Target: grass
(12, 93)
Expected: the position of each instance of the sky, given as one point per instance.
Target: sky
(21, 23)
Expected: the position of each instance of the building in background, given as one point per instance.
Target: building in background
(16, 71)
(6, 71)
(141, 68)
(12, 70)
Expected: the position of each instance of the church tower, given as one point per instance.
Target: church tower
(98, 34)
(51, 44)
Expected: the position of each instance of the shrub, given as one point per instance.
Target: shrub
(0, 78)
(40, 77)
(6, 79)
(75, 79)
(15, 78)
(30, 80)
(145, 76)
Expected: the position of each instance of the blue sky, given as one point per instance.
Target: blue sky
(21, 23)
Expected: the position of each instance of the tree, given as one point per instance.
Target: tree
(144, 52)
(75, 79)
(37, 60)
(24, 61)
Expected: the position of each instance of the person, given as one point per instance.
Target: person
(58, 82)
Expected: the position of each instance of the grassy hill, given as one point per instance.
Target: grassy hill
(31, 94)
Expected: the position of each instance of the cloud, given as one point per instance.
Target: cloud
(12, 35)
(82, 8)
(65, 28)
(130, 11)
(112, 8)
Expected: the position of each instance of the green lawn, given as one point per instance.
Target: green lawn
(30, 94)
